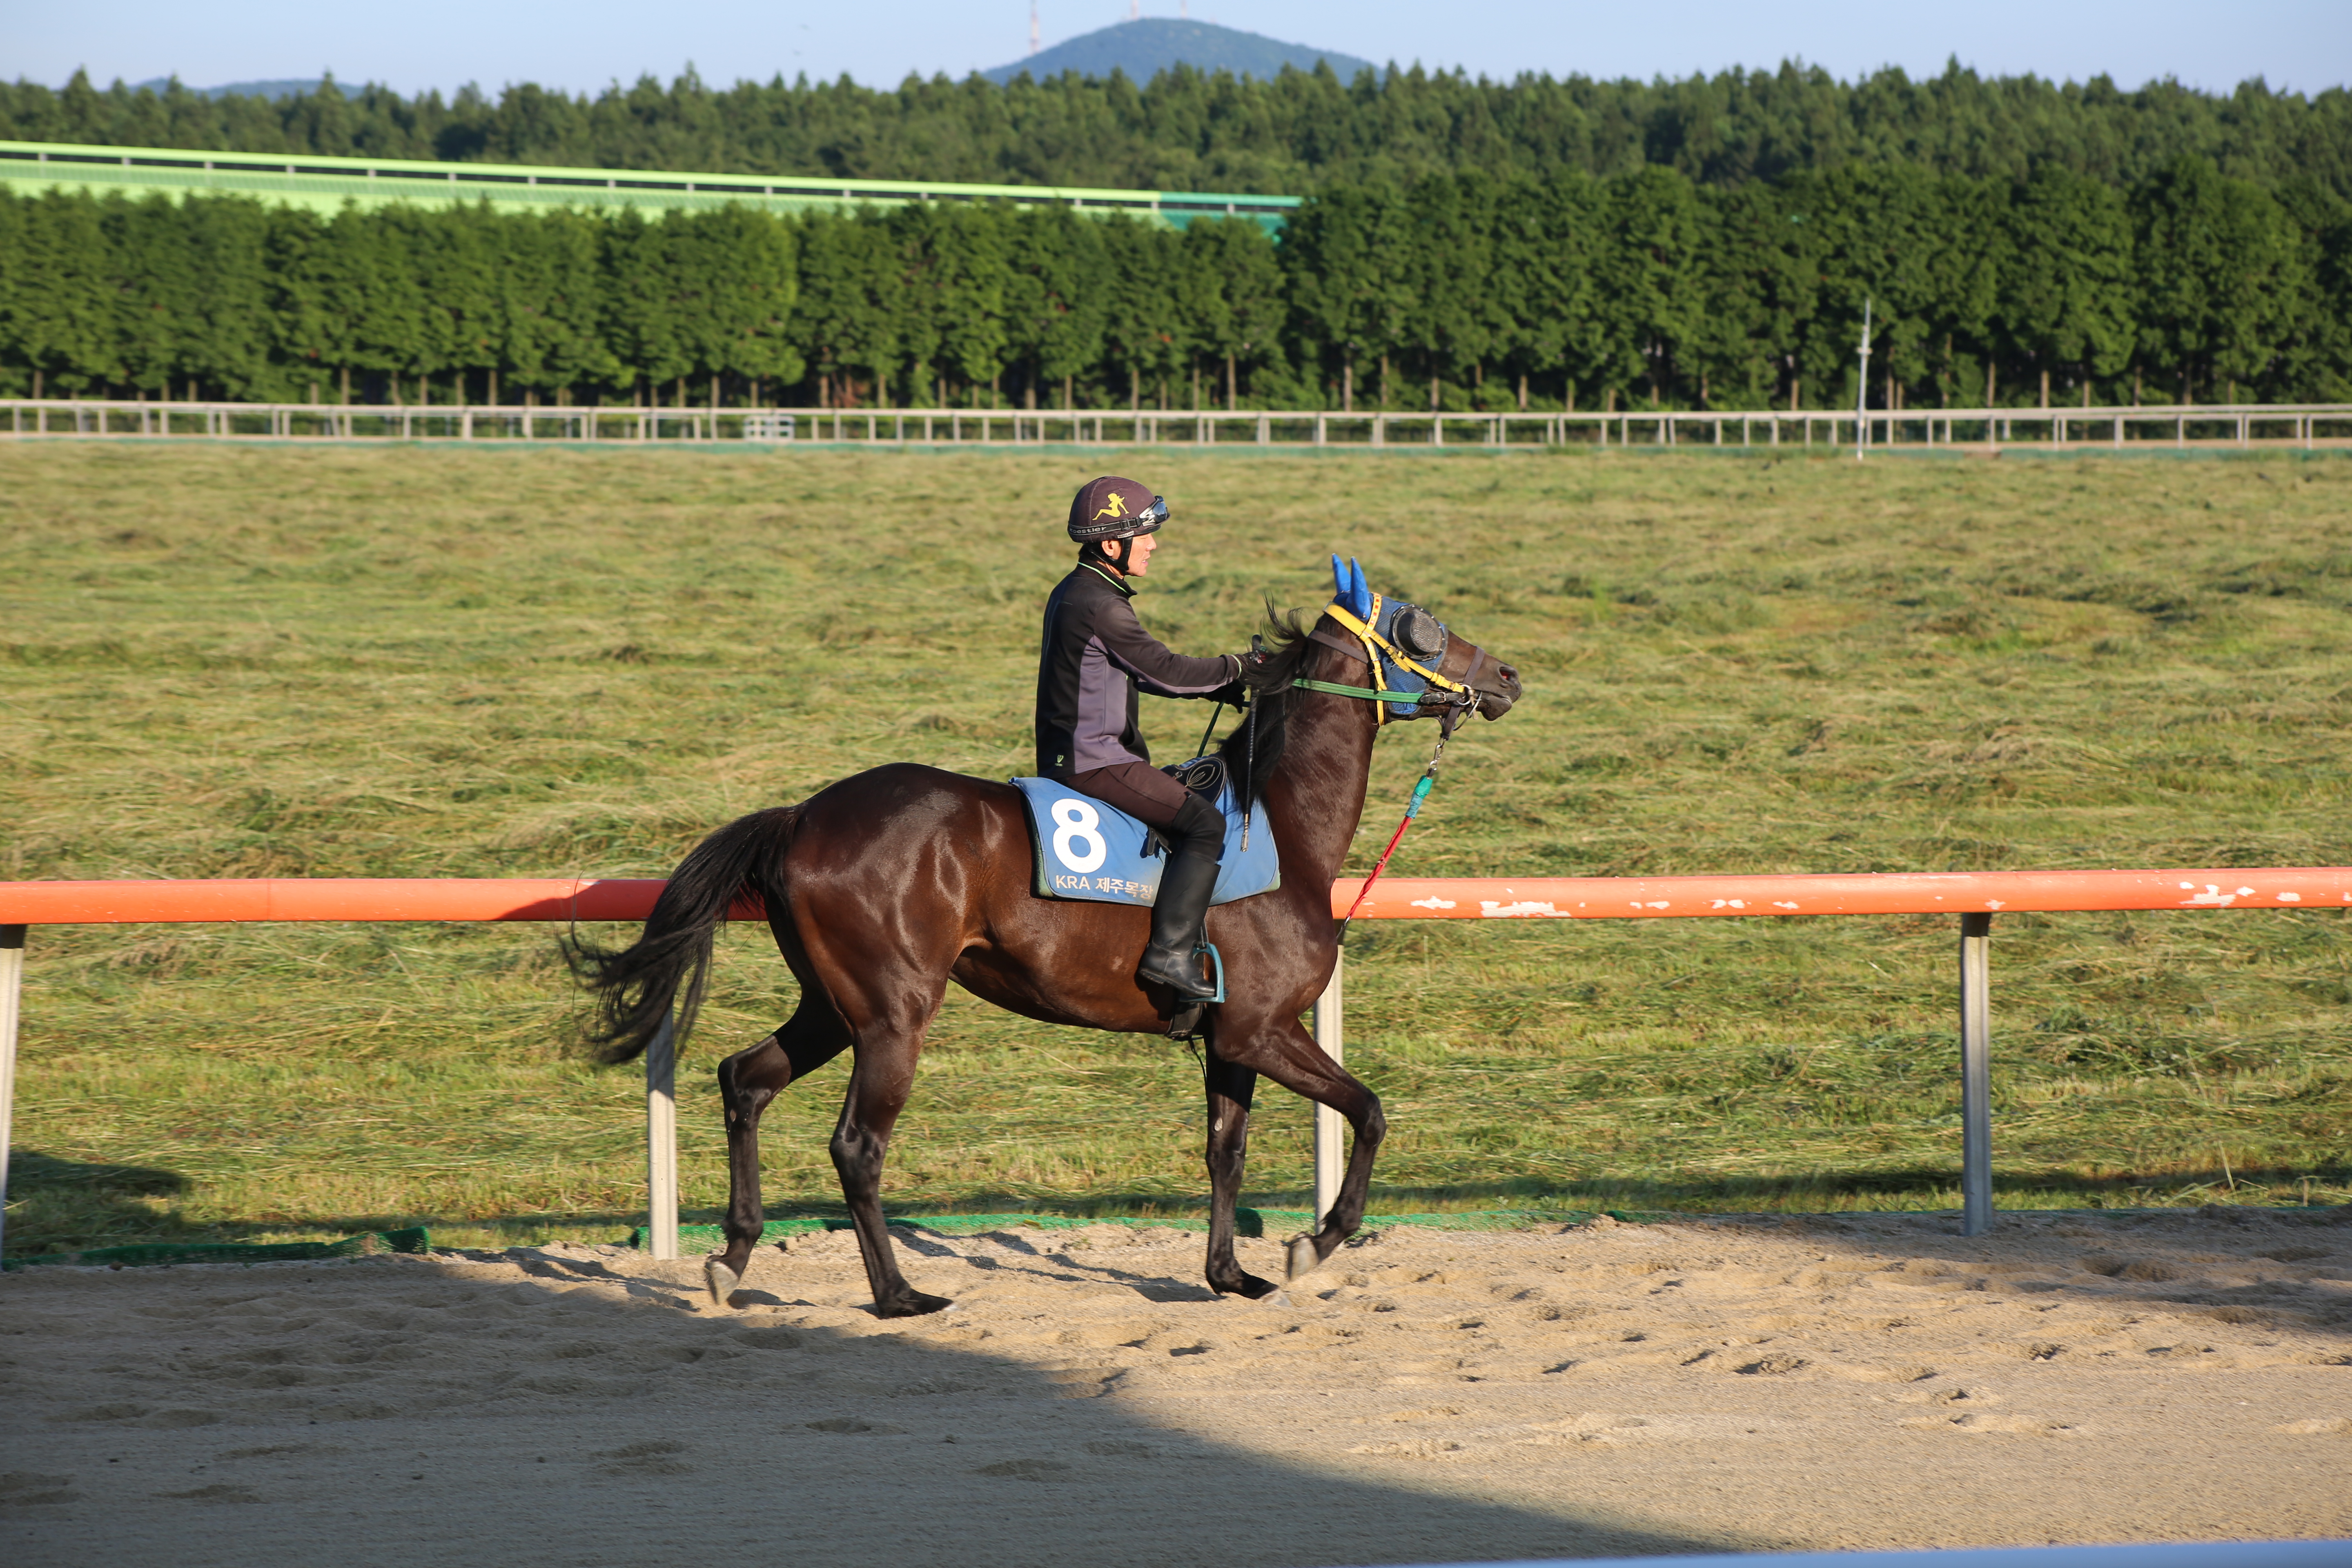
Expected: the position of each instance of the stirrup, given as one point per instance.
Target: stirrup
(1217, 961)
(1184, 1022)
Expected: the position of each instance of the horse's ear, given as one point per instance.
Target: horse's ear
(1359, 591)
(1341, 588)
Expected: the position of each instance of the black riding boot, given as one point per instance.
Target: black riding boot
(1176, 919)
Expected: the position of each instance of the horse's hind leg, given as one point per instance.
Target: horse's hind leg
(878, 1087)
(1231, 1089)
(748, 1080)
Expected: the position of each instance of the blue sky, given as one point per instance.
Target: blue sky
(417, 44)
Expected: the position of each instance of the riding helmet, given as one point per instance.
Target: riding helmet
(1113, 507)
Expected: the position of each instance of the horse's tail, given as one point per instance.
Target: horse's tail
(636, 987)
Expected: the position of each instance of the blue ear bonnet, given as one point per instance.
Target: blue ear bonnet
(1347, 579)
(1355, 595)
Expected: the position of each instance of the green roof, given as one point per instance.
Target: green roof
(326, 184)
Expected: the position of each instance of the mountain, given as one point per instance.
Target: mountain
(1146, 48)
(239, 89)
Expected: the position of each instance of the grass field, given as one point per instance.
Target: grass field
(221, 662)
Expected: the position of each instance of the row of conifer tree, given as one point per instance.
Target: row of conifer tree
(1460, 291)
(1301, 131)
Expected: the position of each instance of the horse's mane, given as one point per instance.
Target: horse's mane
(1269, 689)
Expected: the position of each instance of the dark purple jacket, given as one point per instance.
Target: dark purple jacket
(1095, 656)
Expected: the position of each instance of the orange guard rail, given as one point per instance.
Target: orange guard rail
(1976, 897)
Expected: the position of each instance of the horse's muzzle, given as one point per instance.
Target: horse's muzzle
(1496, 693)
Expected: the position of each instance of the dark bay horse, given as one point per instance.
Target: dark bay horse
(884, 887)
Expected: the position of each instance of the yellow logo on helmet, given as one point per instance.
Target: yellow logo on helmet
(1114, 507)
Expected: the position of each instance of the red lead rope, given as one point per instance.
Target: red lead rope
(1383, 864)
(1412, 809)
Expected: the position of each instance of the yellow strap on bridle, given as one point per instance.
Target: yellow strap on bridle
(1374, 644)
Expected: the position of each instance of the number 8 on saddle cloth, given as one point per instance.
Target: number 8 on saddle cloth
(1088, 850)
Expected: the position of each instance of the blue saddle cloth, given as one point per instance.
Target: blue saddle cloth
(1090, 850)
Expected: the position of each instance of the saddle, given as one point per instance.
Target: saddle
(1204, 776)
(1091, 850)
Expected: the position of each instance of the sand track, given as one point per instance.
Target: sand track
(1823, 1382)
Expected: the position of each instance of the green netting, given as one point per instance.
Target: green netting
(1247, 1221)
(414, 1239)
(1257, 1221)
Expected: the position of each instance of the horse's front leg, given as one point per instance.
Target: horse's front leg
(1361, 1109)
(1229, 1090)
(1284, 1052)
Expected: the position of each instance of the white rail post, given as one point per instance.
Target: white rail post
(12, 981)
(1976, 1074)
(661, 1142)
(1862, 391)
(1330, 1032)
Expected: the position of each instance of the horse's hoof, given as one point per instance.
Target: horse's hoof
(913, 1304)
(721, 1279)
(1303, 1258)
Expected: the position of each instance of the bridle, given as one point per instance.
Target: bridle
(1455, 701)
(1453, 698)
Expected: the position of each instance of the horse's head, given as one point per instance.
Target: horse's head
(1409, 652)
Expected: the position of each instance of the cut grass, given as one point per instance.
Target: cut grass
(249, 661)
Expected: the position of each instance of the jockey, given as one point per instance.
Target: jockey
(1095, 657)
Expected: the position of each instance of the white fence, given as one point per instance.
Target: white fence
(1908, 430)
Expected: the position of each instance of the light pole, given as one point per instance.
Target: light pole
(1862, 392)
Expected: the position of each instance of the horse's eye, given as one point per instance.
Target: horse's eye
(1419, 633)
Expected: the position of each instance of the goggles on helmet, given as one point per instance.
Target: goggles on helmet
(1146, 521)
